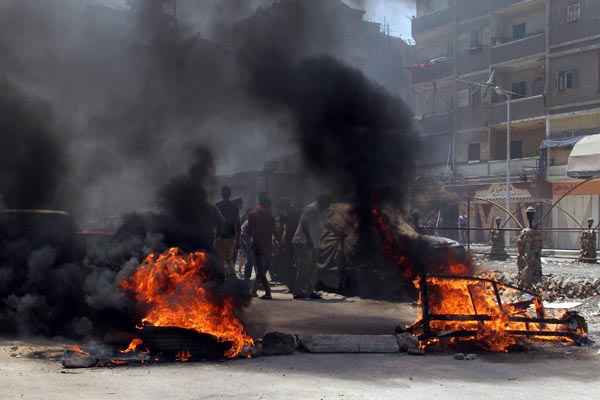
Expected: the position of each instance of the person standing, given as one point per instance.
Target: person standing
(288, 223)
(247, 250)
(228, 238)
(261, 227)
(306, 247)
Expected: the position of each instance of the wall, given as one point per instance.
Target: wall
(588, 84)
(527, 75)
(574, 124)
(580, 207)
(535, 23)
(588, 24)
(531, 138)
(462, 145)
(429, 101)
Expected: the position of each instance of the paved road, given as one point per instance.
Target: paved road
(31, 370)
(304, 376)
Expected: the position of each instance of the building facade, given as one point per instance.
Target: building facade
(547, 53)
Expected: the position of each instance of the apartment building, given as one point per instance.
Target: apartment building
(547, 53)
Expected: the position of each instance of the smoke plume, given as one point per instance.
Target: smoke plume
(33, 163)
(137, 96)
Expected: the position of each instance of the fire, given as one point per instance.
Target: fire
(184, 356)
(491, 314)
(133, 346)
(172, 286)
(77, 349)
(459, 307)
(460, 298)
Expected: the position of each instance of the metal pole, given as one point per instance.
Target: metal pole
(469, 222)
(508, 155)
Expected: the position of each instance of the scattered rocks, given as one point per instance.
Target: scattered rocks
(277, 343)
(73, 359)
(465, 357)
(554, 287)
(407, 343)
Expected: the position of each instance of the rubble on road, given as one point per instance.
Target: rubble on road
(555, 287)
(277, 343)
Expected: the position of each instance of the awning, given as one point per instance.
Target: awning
(584, 161)
(557, 143)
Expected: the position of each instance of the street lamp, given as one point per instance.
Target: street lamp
(491, 84)
(501, 92)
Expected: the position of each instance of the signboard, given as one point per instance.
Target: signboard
(497, 191)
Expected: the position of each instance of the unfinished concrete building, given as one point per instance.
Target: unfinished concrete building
(547, 52)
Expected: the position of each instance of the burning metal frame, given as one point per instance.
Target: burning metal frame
(526, 318)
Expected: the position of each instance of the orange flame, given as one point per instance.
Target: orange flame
(77, 349)
(489, 313)
(133, 346)
(183, 356)
(172, 286)
(498, 306)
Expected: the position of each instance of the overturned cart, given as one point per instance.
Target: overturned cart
(489, 314)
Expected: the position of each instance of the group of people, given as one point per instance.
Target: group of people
(252, 240)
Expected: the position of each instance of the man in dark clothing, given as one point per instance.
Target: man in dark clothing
(307, 243)
(261, 226)
(228, 239)
(289, 217)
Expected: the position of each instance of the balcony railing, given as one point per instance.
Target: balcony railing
(520, 48)
(557, 172)
(430, 72)
(433, 124)
(502, 4)
(431, 21)
(497, 168)
(529, 107)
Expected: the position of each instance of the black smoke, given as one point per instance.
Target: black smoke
(352, 133)
(33, 162)
(134, 144)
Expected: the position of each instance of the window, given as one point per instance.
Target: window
(520, 88)
(573, 12)
(567, 80)
(516, 149)
(474, 152)
(519, 31)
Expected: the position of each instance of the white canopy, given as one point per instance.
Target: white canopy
(584, 161)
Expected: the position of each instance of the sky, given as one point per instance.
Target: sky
(395, 13)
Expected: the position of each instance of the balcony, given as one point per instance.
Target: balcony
(471, 117)
(557, 172)
(517, 49)
(502, 4)
(475, 59)
(497, 168)
(432, 171)
(429, 22)
(471, 9)
(431, 72)
(433, 124)
(527, 108)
